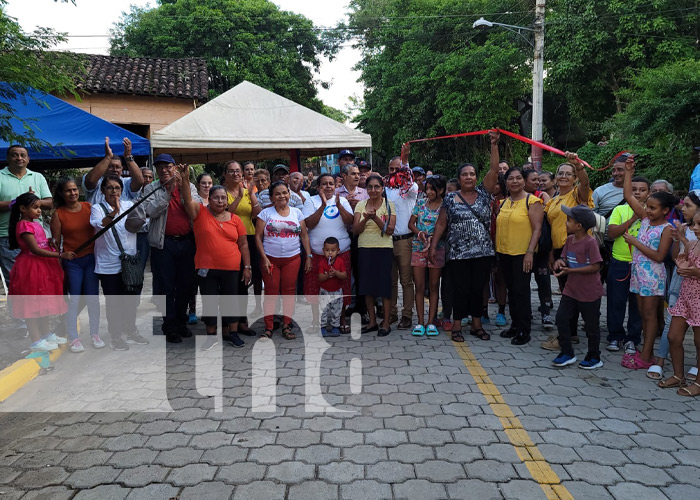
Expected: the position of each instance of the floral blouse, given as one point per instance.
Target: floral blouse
(469, 237)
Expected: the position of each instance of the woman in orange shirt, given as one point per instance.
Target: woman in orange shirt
(221, 246)
(70, 225)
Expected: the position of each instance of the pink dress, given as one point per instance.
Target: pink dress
(33, 276)
(689, 298)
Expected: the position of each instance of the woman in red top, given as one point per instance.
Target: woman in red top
(221, 245)
(70, 224)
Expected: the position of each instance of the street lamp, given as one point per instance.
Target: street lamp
(537, 72)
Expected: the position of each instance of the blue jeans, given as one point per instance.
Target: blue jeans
(619, 300)
(82, 282)
(7, 258)
(674, 291)
(143, 247)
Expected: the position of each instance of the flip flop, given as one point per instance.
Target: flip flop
(418, 331)
(432, 331)
(655, 372)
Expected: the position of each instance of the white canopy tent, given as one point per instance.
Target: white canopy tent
(250, 123)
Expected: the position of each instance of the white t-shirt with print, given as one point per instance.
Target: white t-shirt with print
(330, 224)
(281, 233)
(106, 249)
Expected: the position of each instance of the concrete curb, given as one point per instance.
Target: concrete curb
(19, 373)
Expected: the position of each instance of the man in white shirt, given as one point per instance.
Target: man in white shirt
(296, 183)
(111, 164)
(280, 173)
(403, 240)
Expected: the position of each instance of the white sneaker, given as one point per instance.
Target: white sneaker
(43, 345)
(77, 346)
(97, 342)
(629, 347)
(55, 339)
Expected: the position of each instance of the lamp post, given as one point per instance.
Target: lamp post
(537, 72)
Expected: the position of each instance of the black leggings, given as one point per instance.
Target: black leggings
(518, 285)
(224, 285)
(468, 279)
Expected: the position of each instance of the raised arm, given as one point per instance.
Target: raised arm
(584, 184)
(491, 179)
(191, 207)
(634, 204)
(98, 171)
(134, 170)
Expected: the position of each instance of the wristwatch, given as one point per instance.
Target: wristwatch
(247, 267)
(130, 158)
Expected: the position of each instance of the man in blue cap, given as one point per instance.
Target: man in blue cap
(172, 244)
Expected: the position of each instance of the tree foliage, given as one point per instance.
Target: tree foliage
(27, 61)
(240, 39)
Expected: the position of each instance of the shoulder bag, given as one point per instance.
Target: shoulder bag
(132, 272)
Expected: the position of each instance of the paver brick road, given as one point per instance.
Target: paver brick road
(430, 420)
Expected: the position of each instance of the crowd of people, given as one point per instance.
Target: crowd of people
(347, 243)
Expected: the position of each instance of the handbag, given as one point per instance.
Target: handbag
(132, 272)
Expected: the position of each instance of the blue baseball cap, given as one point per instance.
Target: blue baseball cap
(346, 152)
(418, 170)
(163, 158)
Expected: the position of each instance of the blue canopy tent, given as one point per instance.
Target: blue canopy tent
(71, 137)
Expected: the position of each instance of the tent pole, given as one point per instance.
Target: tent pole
(294, 160)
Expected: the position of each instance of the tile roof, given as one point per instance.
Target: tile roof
(184, 78)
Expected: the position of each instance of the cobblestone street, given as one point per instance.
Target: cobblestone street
(432, 419)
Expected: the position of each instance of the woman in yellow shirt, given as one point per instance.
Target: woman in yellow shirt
(374, 222)
(518, 228)
(244, 204)
(574, 189)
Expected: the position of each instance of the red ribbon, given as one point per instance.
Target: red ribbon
(405, 149)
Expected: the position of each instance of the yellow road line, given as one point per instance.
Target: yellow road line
(540, 470)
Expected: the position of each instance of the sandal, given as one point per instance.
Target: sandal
(655, 372)
(480, 334)
(672, 381)
(287, 332)
(344, 329)
(418, 331)
(685, 391)
(635, 362)
(369, 329)
(432, 331)
(692, 374)
(267, 334)
(457, 337)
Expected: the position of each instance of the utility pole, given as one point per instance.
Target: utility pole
(538, 84)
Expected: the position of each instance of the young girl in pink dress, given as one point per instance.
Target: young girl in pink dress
(37, 272)
(685, 312)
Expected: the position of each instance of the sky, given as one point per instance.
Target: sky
(96, 17)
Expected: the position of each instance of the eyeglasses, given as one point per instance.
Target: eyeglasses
(113, 188)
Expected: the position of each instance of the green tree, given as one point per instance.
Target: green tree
(594, 48)
(240, 39)
(27, 61)
(427, 72)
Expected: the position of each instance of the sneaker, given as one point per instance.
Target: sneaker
(192, 319)
(547, 322)
(118, 344)
(590, 363)
(52, 338)
(233, 339)
(613, 346)
(43, 345)
(136, 339)
(77, 346)
(325, 332)
(500, 320)
(485, 320)
(629, 347)
(210, 342)
(335, 332)
(564, 360)
(97, 342)
(551, 344)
